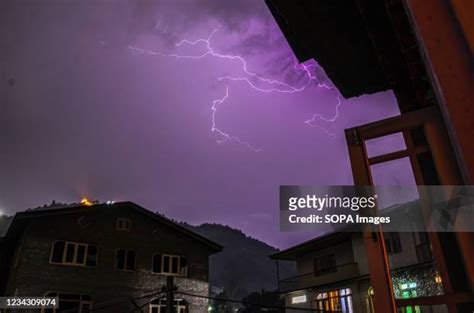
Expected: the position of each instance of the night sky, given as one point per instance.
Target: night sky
(96, 99)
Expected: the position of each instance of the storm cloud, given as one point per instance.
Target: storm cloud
(81, 114)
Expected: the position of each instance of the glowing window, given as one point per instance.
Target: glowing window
(334, 300)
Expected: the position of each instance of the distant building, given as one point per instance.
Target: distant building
(111, 255)
(333, 274)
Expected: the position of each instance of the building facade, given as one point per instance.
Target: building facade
(333, 273)
(113, 255)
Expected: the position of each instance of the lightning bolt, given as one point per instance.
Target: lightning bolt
(251, 79)
(317, 116)
(226, 136)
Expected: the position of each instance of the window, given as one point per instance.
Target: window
(169, 264)
(69, 302)
(125, 260)
(415, 167)
(124, 224)
(423, 247)
(393, 244)
(73, 253)
(325, 264)
(408, 290)
(335, 300)
(159, 306)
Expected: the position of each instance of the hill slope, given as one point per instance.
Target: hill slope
(244, 265)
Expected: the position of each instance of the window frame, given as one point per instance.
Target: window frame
(179, 305)
(329, 300)
(437, 146)
(74, 257)
(125, 260)
(124, 221)
(81, 301)
(171, 257)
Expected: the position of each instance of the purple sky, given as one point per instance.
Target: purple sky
(81, 113)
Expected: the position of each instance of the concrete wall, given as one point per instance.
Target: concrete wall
(408, 254)
(342, 252)
(33, 275)
(358, 249)
(291, 295)
(404, 258)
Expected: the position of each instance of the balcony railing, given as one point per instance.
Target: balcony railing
(315, 279)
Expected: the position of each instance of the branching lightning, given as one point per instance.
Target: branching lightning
(226, 136)
(316, 116)
(250, 78)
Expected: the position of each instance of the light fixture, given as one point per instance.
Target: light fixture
(298, 299)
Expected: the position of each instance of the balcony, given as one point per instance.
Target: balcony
(315, 279)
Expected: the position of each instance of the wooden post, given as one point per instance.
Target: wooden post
(379, 271)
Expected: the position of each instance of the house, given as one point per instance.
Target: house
(422, 52)
(333, 275)
(116, 256)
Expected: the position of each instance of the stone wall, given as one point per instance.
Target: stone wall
(33, 275)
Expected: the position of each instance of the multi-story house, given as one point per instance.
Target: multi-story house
(333, 274)
(113, 256)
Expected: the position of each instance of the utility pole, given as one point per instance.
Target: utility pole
(169, 294)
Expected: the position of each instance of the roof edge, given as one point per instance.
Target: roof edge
(280, 255)
(214, 247)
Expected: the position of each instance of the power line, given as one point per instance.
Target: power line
(116, 301)
(143, 305)
(109, 303)
(256, 304)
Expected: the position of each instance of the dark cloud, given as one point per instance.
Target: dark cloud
(80, 114)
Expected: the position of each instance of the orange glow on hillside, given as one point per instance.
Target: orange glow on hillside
(86, 202)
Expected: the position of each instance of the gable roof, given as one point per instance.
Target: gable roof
(21, 217)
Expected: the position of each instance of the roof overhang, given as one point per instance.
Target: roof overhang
(334, 33)
(319, 243)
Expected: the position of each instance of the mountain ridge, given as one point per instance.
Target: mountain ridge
(247, 257)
